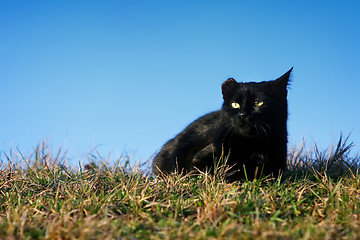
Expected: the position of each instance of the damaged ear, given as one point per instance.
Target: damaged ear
(228, 88)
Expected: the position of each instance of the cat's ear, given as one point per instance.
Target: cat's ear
(228, 88)
(284, 80)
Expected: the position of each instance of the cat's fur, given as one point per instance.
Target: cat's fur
(251, 137)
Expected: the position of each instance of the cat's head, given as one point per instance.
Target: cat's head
(255, 109)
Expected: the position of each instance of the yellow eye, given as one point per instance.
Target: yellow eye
(235, 105)
(259, 103)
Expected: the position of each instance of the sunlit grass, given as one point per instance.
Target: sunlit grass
(43, 198)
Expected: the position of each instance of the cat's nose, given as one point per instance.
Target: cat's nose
(243, 114)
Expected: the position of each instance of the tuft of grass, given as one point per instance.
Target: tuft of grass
(335, 162)
(43, 198)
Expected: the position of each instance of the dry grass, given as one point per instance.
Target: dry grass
(41, 198)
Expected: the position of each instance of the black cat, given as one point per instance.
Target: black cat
(249, 134)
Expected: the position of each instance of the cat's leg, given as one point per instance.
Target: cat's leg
(205, 159)
(178, 153)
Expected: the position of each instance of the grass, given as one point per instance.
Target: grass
(41, 198)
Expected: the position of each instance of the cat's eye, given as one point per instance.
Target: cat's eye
(235, 105)
(259, 103)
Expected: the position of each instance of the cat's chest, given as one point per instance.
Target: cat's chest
(243, 146)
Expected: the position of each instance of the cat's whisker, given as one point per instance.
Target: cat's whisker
(261, 130)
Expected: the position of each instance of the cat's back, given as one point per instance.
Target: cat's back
(203, 127)
(205, 123)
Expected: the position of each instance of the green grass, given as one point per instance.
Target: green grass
(41, 198)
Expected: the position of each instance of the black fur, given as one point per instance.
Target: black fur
(250, 136)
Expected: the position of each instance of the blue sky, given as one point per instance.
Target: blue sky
(126, 76)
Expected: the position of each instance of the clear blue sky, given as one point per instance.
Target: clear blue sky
(129, 75)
